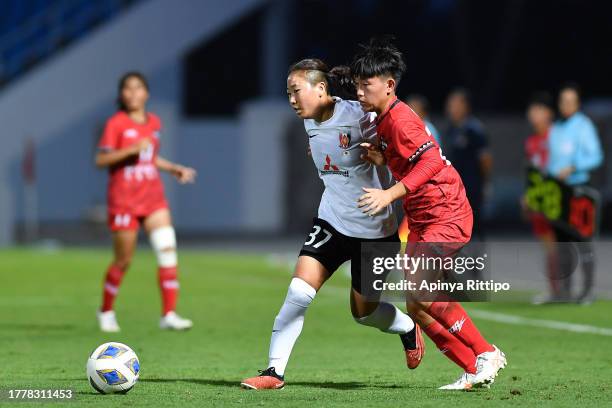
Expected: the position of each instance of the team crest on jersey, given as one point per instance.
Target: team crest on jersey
(345, 139)
(330, 168)
(130, 133)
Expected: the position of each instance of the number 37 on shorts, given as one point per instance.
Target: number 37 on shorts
(318, 237)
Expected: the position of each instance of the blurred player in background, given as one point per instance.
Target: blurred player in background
(575, 151)
(420, 105)
(434, 201)
(467, 147)
(540, 114)
(129, 148)
(335, 129)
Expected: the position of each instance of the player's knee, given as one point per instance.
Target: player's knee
(300, 293)
(373, 319)
(364, 320)
(358, 314)
(362, 310)
(163, 241)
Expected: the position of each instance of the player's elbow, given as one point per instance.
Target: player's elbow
(100, 161)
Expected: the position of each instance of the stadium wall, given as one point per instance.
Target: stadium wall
(56, 103)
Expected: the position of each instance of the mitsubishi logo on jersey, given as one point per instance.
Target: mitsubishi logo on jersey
(330, 168)
(456, 327)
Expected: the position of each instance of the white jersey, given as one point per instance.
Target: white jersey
(334, 145)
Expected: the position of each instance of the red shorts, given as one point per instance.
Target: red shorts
(459, 231)
(440, 239)
(124, 221)
(540, 225)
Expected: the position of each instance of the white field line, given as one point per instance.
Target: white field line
(503, 317)
(549, 324)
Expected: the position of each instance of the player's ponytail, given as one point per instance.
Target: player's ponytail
(338, 80)
(122, 82)
(341, 82)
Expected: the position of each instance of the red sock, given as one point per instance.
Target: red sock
(113, 278)
(168, 284)
(454, 318)
(451, 347)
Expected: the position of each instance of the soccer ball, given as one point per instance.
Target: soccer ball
(113, 368)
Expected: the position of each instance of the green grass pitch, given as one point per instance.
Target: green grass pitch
(48, 328)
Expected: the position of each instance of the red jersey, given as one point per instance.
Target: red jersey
(536, 150)
(436, 195)
(134, 185)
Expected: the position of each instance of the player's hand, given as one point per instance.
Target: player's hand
(373, 154)
(139, 146)
(374, 201)
(184, 174)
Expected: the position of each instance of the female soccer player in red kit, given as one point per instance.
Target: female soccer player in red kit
(434, 201)
(129, 148)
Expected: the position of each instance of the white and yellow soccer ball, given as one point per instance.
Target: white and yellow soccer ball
(113, 368)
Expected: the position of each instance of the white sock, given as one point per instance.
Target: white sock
(388, 318)
(288, 323)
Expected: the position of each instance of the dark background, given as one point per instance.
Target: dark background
(502, 50)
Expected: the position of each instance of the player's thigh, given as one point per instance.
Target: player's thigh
(157, 219)
(360, 305)
(124, 245)
(322, 254)
(311, 271)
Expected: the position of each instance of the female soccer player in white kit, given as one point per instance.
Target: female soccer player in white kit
(335, 128)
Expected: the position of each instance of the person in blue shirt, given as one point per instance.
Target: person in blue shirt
(574, 152)
(420, 105)
(466, 146)
(574, 144)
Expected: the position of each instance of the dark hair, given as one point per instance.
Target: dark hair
(380, 57)
(572, 86)
(123, 80)
(542, 98)
(339, 80)
(463, 93)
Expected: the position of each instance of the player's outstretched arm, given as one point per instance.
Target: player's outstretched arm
(182, 173)
(108, 158)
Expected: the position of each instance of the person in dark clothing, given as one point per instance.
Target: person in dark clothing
(466, 146)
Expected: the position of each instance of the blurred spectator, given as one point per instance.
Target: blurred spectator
(574, 152)
(420, 105)
(540, 114)
(466, 146)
